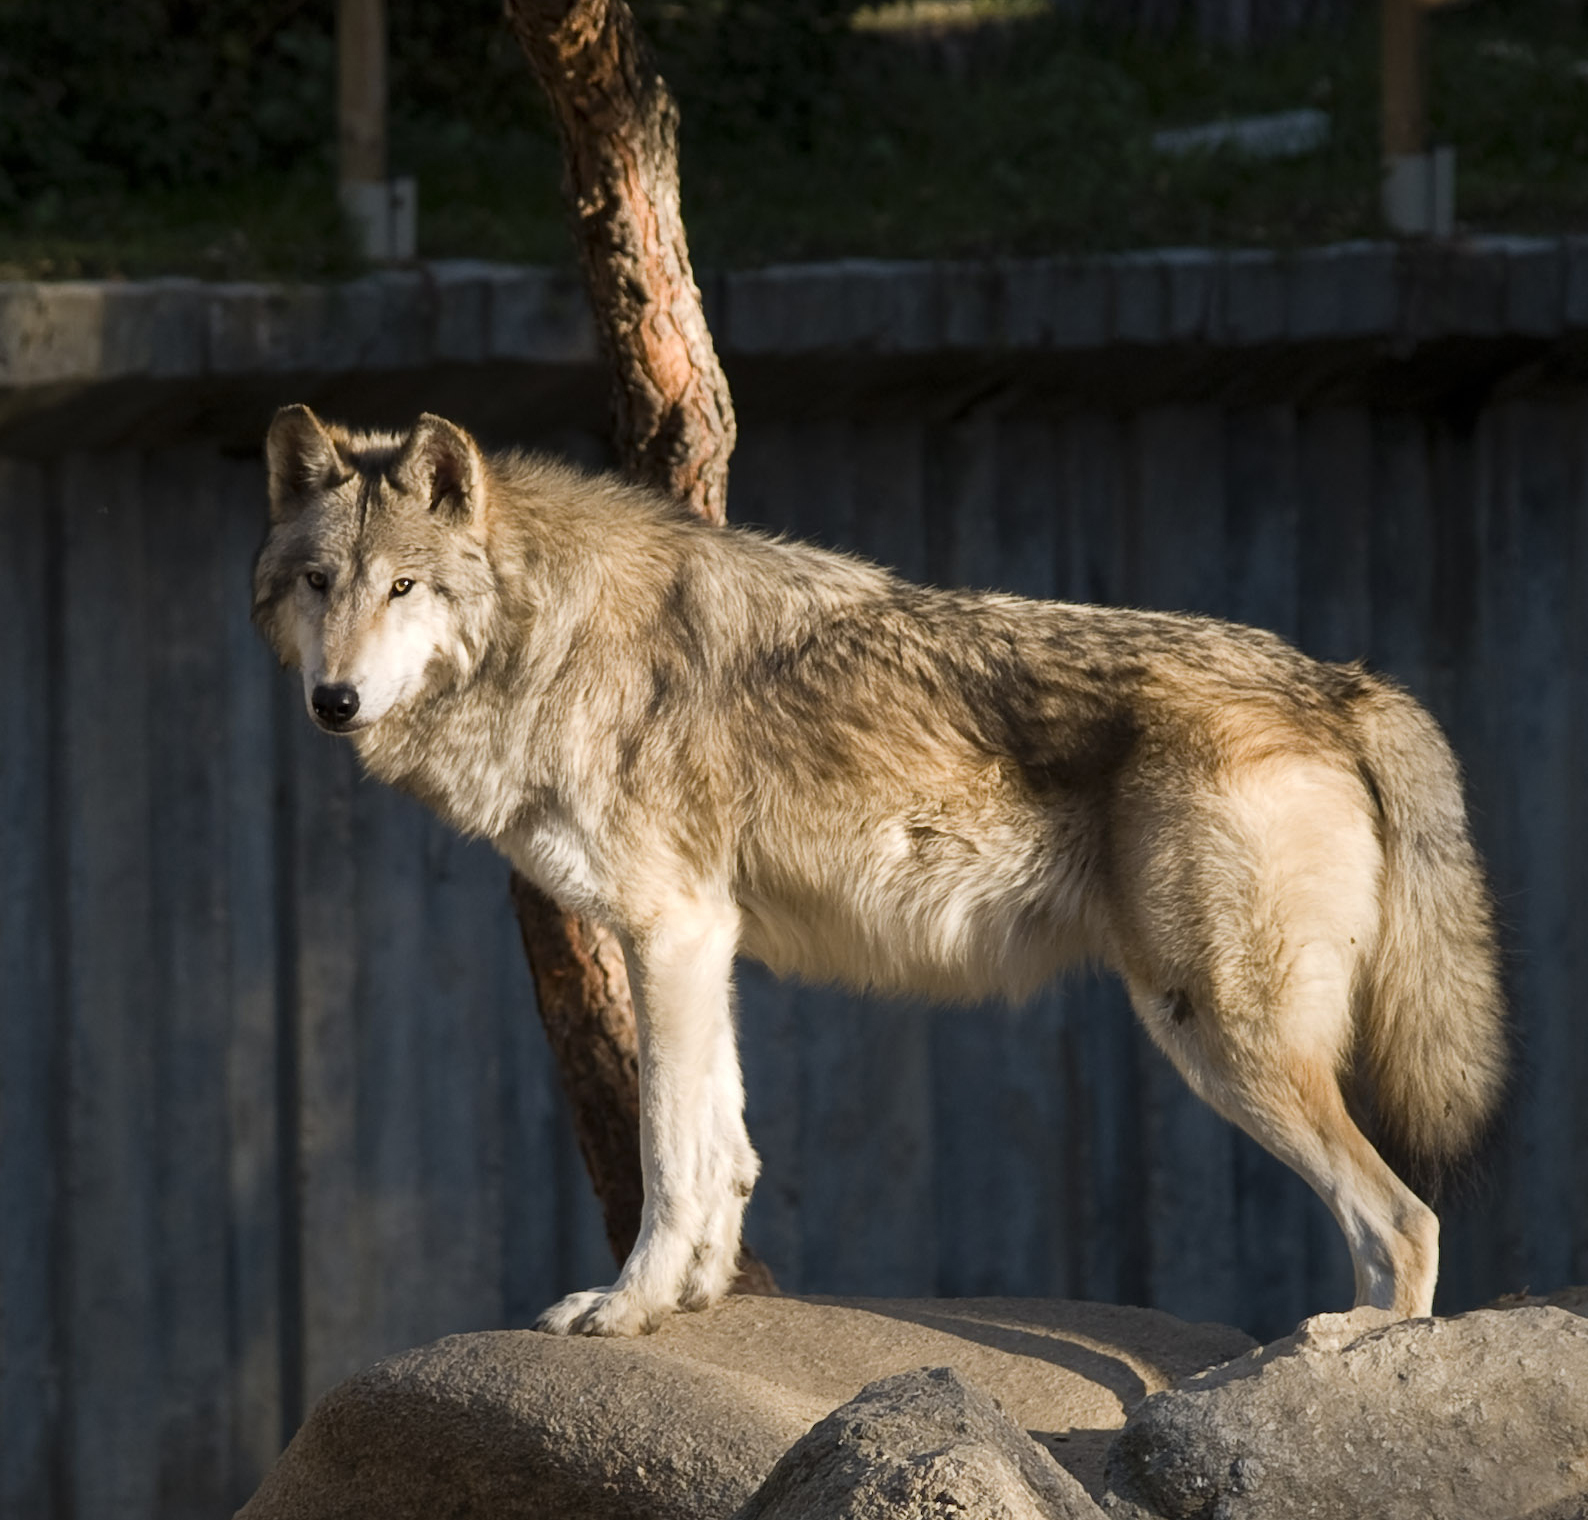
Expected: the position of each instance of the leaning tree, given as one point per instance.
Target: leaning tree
(674, 429)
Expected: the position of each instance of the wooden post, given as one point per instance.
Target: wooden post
(1405, 124)
(361, 91)
(1419, 184)
(674, 429)
(381, 210)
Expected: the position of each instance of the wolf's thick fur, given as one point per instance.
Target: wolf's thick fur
(718, 742)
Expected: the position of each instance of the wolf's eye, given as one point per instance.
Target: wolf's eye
(315, 578)
(402, 587)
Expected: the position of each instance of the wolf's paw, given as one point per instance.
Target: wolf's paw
(602, 1311)
(712, 1271)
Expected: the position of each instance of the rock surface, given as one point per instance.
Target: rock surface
(1484, 1416)
(690, 1420)
(915, 1446)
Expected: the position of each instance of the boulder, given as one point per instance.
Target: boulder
(1484, 1416)
(689, 1421)
(915, 1446)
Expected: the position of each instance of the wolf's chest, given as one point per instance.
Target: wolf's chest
(557, 855)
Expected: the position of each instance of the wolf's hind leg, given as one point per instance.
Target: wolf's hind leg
(1267, 1072)
(695, 1156)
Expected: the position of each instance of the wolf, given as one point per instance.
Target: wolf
(718, 742)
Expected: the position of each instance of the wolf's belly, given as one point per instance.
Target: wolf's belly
(916, 911)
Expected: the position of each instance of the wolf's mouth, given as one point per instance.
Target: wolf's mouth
(341, 726)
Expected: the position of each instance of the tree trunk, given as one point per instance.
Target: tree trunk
(674, 429)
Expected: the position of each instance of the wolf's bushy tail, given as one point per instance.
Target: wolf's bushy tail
(1432, 1040)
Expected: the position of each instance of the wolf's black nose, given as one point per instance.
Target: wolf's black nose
(334, 704)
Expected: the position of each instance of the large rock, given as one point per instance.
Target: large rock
(1484, 1416)
(689, 1421)
(916, 1446)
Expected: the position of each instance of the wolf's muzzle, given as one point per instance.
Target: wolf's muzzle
(334, 706)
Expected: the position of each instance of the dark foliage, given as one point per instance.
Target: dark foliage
(152, 94)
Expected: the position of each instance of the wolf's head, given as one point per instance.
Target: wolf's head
(374, 580)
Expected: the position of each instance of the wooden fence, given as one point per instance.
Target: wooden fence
(273, 1097)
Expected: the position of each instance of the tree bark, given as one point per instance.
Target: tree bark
(619, 128)
(674, 430)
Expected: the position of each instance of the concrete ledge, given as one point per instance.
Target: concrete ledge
(470, 312)
(104, 363)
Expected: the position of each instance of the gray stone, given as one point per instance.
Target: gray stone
(814, 319)
(1139, 298)
(1535, 301)
(252, 329)
(463, 289)
(1455, 290)
(1191, 279)
(686, 1423)
(542, 316)
(379, 321)
(1370, 283)
(1056, 303)
(756, 309)
(1344, 290)
(914, 1446)
(51, 333)
(1484, 1416)
(1253, 298)
(890, 305)
(971, 296)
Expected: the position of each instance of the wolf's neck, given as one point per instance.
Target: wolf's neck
(455, 753)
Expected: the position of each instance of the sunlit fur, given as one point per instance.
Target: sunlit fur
(718, 742)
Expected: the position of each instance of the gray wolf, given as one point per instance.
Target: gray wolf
(718, 742)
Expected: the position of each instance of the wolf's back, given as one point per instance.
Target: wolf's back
(1432, 1041)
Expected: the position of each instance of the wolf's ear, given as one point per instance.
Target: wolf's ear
(301, 458)
(442, 464)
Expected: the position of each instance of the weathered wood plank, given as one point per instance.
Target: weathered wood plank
(1190, 1178)
(1407, 567)
(1281, 1224)
(1032, 1118)
(1403, 563)
(969, 1167)
(1575, 837)
(535, 1267)
(460, 1118)
(1480, 1251)
(255, 1082)
(1336, 472)
(388, 1010)
(188, 906)
(1106, 1244)
(866, 1093)
(30, 1403)
(1334, 621)
(998, 1104)
(1538, 503)
(113, 1348)
(1499, 594)
(888, 459)
(324, 955)
(772, 1033)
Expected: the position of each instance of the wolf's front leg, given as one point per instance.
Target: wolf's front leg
(695, 1155)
